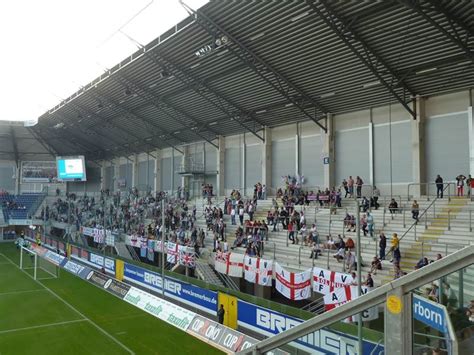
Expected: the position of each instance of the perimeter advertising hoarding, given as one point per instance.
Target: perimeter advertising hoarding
(164, 310)
(225, 337)
(109, 284)
(265, 321)
(191, 295)
(75, 268)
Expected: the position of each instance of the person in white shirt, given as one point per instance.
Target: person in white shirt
(232, 216)
(250, 211)
(241, 215)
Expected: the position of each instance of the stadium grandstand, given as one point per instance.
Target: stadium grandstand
(265, 177)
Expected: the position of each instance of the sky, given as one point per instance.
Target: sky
(52, 47)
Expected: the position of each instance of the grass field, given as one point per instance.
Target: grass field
(68, 315)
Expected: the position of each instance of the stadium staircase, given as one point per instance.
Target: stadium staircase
(206, 273)
(443, 234)
(123, 251)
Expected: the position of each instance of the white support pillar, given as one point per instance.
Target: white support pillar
(220, 188)
(185, 162)
(116, 173)
(328, 150)
(135, 170)
(371, 151)
(297, 150)
(418, 148)
(470, 114)
(102, 175)
(267, 161)
(157, 173)
(244, 165)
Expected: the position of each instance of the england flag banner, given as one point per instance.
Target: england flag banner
(325, 281)
(292, 285)
(187, 256)
(345, 294)
(172, 253)
(229, 263)
(258, 271)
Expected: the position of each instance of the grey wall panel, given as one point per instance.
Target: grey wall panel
(7, 181)
(166, 171)
(91, 185)
(211, 159)
(283, 160)
(145, 174)
(447, 146)
(233, 168)
(352, 154)
(311, 161)
(151, 173)
(401, 153)
(253, 165)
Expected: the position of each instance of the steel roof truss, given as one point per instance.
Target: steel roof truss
(360, 48)
(262, 68)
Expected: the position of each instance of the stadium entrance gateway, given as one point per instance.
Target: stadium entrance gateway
(436, 317)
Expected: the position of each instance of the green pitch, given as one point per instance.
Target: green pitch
(67, 315)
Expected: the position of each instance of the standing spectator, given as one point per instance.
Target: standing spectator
(415, 210)
(250, 211)
(370, 224)
(460, 184)
(232, 216)
(375, 197)
(291, 232)
(220, 314)
(395, 248)
(382, 245)
(470, 185)
(439, 186)
(241, 215)
(345, 187)
(359, 183)
(350, 186)
(264, 192)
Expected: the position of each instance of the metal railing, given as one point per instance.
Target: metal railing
(428, 184)
(405, 285)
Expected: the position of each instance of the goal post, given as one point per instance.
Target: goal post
(41, 268)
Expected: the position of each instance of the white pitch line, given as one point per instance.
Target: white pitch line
(74, 309)
(20, 292)
(42, 326)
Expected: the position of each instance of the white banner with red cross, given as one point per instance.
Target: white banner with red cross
(172, 253)
(229, 263)
(258, 270)
(325, 281)
(292, 285)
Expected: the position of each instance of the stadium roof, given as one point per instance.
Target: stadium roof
(18, 142)
(236, 66)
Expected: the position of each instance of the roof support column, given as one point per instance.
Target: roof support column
(244, 166)
(267, 161)
(470, 116)
(116, 172)
(187, 164)
(398, 323)
(156, 183)
(17, 178)
(220, 191)
(328, 150)
(135, 171)
(102, 176)
(418, 148)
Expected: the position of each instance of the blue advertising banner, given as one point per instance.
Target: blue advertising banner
(194, 296)
(430, 313)
(100, 261)
(324, 341)
(75, 268)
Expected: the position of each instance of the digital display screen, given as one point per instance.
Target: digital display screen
(71, 168)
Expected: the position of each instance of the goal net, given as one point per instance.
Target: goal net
(40, 268)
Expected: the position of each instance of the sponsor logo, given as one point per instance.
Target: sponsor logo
(73, 267)
(430, 313)
(107, 284)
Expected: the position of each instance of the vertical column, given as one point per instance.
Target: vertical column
(244, 165)
(267, 161)
(328, 150)
(398, 323)
(297, 150)
(418, 148)
(220, 167)
(135, 170)
(371, 150)
(17, 178)
(157, 173)
(102, 176)
(471, 139)
(189, 165)
(116, 173)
